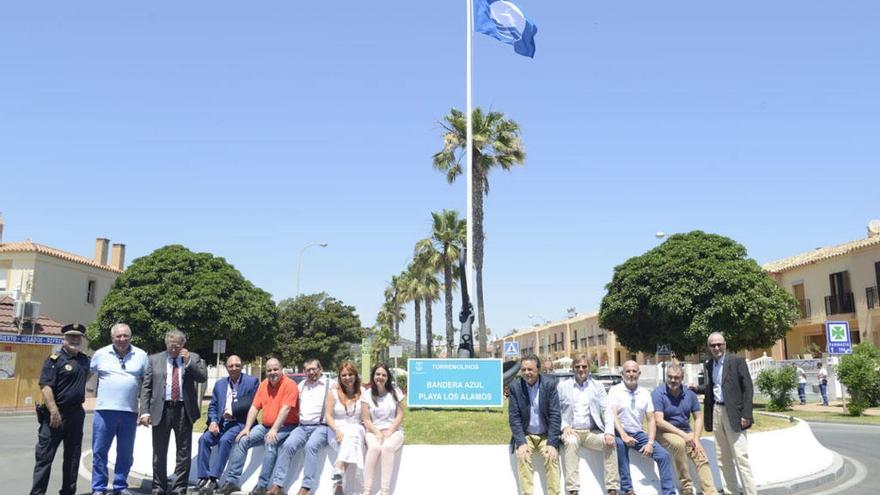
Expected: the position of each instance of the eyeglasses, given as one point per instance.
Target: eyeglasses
(581, 367)
(722, 344)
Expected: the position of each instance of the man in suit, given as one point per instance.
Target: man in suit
(227, 413)
(728, 412)
(169, 401)
(534, 425)
(586, 422)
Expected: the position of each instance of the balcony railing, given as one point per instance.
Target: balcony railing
(839, 304)
(804, 307)
(871, 295)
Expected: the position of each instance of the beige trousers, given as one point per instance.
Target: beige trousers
(571, 460)
(732, 450)
(681, 452)
(526, 471)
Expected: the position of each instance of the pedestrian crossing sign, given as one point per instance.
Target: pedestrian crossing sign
(511, 349)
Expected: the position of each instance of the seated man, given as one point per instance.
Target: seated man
(673, 406)
(533, 414)
(311, 432)
(629, 404)
(585, 422)
(277, 398)
(227, 414)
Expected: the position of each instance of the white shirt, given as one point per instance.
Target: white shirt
(802, 375)
(632, 405)
(231, 394)
(169, 369)
(578, 395)
(383, 413)
(311, 400)
(717, 377)
(823, 374)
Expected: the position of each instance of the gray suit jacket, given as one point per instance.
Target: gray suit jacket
(153, 387)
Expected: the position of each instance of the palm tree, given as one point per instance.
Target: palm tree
(429, 288)
(395, 305)
(381, 340)
(449, 234)
(496, 143)
(409, 292)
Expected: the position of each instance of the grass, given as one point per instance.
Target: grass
(835, 416)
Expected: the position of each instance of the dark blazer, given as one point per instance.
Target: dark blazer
(519, 411)
(247, 388)
(153, 387)
(737, 388)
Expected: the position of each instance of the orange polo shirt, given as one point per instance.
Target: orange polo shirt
(270, 399)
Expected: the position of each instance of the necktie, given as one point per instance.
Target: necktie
(175, 381)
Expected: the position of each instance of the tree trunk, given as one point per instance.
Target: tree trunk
(418, 315)
(429, 334)
(477, 199)
(447, 282)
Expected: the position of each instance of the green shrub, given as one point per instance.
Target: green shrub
(778, 385)
(858, 371)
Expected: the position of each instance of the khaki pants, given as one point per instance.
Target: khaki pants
(592, 441)
(732, 450)
(525, 470)
(680, 452)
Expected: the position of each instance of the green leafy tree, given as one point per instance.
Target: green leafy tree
(198, 293)
(496, 144)
(859, 372)
(690, 286)
(777, 385)
(448, 236)
(316, 326)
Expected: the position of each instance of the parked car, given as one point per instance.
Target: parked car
(607, 378)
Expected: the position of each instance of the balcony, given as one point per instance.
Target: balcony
(804, 308)
(871, 296)
(840, 304)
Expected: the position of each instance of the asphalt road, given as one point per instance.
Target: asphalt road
(860, 445)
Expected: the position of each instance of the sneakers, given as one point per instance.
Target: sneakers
(229, 489)
(258, 490)
(208, 488)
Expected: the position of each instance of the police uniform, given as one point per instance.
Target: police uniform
(66, 375)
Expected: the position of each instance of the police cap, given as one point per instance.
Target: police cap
(73, 329)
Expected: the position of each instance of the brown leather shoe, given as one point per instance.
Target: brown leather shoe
(612, 492)
(275, 490)
(630, 492)
(303, 491)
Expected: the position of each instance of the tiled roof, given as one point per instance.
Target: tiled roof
(33, 247)
(820, 254)
(43, 326)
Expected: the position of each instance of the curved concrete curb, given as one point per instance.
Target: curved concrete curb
(784, 462)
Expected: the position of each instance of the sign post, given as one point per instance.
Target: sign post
(219, 348)
(511, 349)
(839, 340)
(395, 351)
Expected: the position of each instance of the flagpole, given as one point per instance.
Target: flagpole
(469, 147)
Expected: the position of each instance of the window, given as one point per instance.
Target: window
(90, 291)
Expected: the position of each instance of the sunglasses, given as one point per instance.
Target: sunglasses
(718, 345)
(581, 367)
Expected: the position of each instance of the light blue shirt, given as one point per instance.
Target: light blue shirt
(717, 376)
(536, 424)
(117, 387)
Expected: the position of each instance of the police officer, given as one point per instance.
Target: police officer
(63, 386)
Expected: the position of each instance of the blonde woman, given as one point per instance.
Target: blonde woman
(382, 413)
(346, 431)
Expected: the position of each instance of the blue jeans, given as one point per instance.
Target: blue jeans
(256, 437)
(823, 387)
(224, 441)
(660, 456)
(313, 437)
(802, 393)
(105, 426)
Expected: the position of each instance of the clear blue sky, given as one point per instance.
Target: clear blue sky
(251, 129)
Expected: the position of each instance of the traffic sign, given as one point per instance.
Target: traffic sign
(838, 337)
(395, 351)
(220, 346)
(511, 349)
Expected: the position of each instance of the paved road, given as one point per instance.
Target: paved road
(19, 436)
(861, 445)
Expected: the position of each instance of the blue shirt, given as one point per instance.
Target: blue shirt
(676, 410)
(536, 425)
(119, 378)
(717, 377)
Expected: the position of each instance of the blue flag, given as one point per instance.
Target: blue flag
(505, 22)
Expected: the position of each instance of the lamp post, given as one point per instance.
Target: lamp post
(299, 263)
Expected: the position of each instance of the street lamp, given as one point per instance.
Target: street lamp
(299, 264)
(660, 235)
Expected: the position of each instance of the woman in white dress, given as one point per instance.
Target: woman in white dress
(382, 413)
(347, 433)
